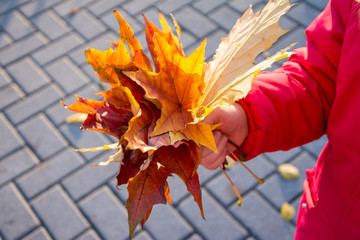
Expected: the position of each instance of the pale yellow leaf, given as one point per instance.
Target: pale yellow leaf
(229, 75)
(117, 157)
(76, 118)
(105, 147)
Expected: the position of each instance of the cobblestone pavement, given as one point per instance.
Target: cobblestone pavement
(49, 191)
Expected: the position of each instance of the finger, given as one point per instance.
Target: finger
(214, 160)
(217, 161)
(206, 151)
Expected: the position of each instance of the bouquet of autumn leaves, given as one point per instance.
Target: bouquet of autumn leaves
(156, 113)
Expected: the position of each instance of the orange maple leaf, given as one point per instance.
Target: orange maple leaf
(177, 85)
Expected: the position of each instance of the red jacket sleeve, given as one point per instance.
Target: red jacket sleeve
(290, 106)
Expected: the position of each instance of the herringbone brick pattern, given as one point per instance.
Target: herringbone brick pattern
(49, 191)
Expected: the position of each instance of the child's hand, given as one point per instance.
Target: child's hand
(234, 130)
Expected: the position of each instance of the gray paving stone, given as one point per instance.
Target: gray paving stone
(66, 74)
(88, 178)
(100, 43)
(10, 138)
(15, 24)
(86, 24)
(218, 224)
(86, 68)
(4, 78)
(225, 17)
(143, 235)
(51, 25)
(263, 221)
(121, 192)
(34, 7)
(111, 22)
(28, 74)
(57, 48)
(16, 216)
(137, 6)
(243, 5)
(213, 42)
(42, 136)
(33, 103)
(153, 15)
(49, 172)
(194, 237)
(303, 14)
(10, 94)
(296, 205)
(315, 147)
(21, 48)
(89, 235)
(296, 36)
(320, 4)
(165, 223)
(5, 39)
(205, 175)
(194, 22)
(107, 214)
(38, 234)
(8, 5)
(278, 190)
(171, 6)
(57, 113)
(64, 8)
(287, 23)
(280, 157)
(100, 7)
(15, 164)
(250, 238)
(205, 6)
(59, 214)
(178, 189)
(221, 188)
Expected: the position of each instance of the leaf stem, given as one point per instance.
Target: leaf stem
(241, 162)
(233, 185)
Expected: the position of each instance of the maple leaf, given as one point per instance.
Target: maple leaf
(151, 29)
(122, 98)
(126, 33)
(146, 189)
(177, 85)
(130, 165)
(138, 133)
(180, 162)
(102, 116)
(230, 74)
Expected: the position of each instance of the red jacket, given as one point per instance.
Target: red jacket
(316, 92)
